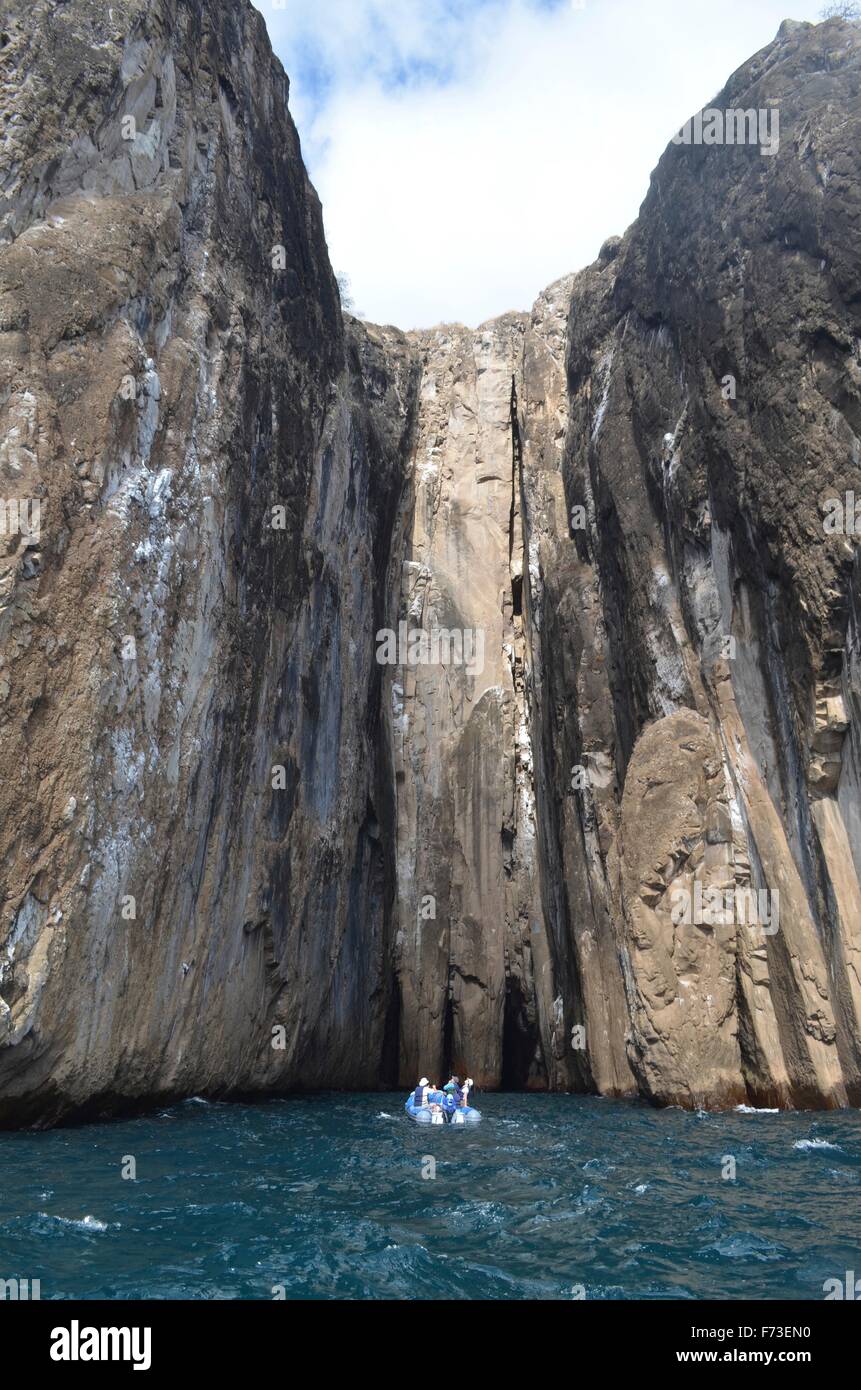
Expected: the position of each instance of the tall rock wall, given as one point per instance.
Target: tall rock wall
(196, 812)
(371, 701)
(694, 622)
(472, 961)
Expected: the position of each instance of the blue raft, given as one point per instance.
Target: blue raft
(423, 1115)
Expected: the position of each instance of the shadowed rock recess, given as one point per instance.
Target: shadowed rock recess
(240, 853)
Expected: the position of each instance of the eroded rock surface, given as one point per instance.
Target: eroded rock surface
(245, 849)
(472, 960)
(197, 815)
(702, 617)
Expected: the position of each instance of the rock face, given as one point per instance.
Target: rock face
(374, 703)
(197, 811)
(697, 634)
(472, 960)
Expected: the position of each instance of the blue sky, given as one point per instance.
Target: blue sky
(469, 152)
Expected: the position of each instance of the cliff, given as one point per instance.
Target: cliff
(197, 835)
(370, 701)
(696, 636)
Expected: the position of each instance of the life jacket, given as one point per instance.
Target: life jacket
(450, 1102)
(420, 1095)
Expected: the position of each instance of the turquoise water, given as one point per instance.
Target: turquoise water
(325, 1197)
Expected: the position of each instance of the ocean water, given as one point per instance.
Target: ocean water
(333, 1196)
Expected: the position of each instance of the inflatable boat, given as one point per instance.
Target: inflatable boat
(423, 1115)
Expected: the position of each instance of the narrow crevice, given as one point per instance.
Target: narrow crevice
(390, 1062)
(448, 1035)
(518, 1040)
(517, 595)
(516, 471)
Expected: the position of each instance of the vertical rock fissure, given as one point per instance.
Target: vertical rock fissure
(516, 470)
(524, 1064)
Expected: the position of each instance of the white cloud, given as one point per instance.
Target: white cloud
(460, 198)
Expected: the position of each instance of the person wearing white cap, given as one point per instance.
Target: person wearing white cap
(420, 1095)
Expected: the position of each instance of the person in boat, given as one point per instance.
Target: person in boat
(460, 1093)
(450, 1103)
(464, 1093)
(421, 1093)
(436, 1104)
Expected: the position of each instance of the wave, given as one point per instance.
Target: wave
(85, 1223)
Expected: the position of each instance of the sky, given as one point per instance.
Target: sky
(470, 152)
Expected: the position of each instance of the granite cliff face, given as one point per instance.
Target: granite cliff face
(377, 702)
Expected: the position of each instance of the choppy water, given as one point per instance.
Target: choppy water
(325, 1196)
